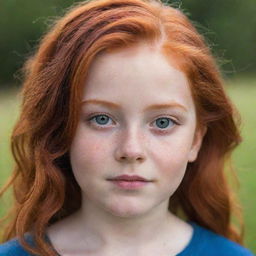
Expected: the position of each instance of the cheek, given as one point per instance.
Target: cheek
(171, 156)
(171, 165)
(88, 153)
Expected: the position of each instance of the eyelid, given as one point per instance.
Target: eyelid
(168, 116)
(159, 116)
(98, 114)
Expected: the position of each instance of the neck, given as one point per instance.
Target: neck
(97, 224)
(98, 231)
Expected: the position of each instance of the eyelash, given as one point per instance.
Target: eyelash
(164, 130)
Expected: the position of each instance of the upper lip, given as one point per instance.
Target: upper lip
(130, 178)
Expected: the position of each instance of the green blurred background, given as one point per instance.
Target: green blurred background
(229, 27)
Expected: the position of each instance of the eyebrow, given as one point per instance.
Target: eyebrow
(148, 108)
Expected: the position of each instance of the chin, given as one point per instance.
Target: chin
(127, 211)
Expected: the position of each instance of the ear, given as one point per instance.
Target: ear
(197, 141)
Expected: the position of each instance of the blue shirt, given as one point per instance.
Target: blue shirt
(203, 243)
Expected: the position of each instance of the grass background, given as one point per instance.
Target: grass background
(243, 93)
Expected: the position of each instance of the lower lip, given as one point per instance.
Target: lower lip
(130, 184)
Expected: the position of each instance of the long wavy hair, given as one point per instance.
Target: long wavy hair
(44, 187)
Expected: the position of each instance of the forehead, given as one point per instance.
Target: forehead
(139, 74)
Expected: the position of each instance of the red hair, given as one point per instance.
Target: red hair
(43, 183)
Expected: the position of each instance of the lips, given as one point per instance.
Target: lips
(129, 178)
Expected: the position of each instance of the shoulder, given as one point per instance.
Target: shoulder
(207, 243)
(220, 245)
(12, 248)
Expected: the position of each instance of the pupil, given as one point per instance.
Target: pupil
(163, 123)
(102, 119)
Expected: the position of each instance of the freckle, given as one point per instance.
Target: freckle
(97, 147)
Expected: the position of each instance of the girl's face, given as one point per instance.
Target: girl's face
(138, 118)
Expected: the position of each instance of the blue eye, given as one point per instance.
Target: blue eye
(164, 122)
(100, 119)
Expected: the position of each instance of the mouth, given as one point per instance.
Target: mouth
(125, 184)
(130, 182)
(129, 178)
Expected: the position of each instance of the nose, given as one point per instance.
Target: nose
(130, 147)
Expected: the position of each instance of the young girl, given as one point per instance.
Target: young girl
(122, 139)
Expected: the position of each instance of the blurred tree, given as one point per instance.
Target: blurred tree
(233, 30)
(229, 26)
(22, 23)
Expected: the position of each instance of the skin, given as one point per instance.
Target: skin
(129, 140)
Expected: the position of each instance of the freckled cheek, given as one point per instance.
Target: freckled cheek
(171, 166)
(88, 153)
(171, 157)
